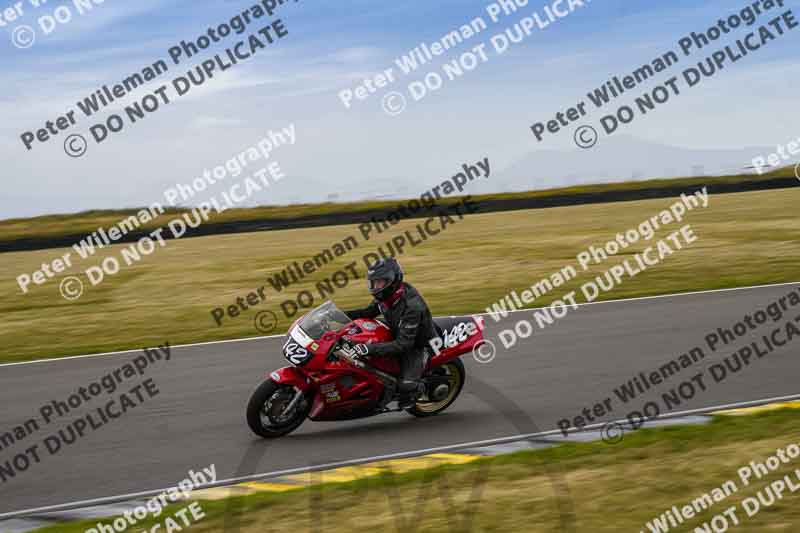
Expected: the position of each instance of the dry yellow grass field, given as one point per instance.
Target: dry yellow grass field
(88, 221)
(743, 239)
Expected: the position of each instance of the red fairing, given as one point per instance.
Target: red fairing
(372, 331)
(457, 341)
(290, 375)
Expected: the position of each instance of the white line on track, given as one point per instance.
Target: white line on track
(245, 339)
(399, 455)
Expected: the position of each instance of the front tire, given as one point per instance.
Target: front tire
(456, 374)
(266, 414)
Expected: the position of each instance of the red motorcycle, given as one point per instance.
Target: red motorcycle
(327, 383)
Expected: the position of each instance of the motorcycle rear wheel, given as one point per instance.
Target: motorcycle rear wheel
(266, 414)
(456, 374)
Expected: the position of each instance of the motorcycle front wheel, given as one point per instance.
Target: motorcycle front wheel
(271, 411)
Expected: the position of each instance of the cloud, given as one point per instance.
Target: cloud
(210, 122)
(358, 54)
(88, 17)
(487, 112)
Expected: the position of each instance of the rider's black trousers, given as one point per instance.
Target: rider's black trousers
(412, 365)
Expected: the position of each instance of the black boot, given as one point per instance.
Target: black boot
(409, 391)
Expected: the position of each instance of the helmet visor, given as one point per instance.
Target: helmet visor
(375, 285)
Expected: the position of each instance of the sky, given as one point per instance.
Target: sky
(362, 151)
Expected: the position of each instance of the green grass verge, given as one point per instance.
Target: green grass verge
(608, 487)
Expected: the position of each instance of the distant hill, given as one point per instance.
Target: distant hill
(618, 158)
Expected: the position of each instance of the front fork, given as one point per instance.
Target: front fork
(297, 397)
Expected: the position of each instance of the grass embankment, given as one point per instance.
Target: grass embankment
(743, 239)
(88, 221)
(611, 488)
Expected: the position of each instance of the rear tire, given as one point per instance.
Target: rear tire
(267, 404)
(457, 375)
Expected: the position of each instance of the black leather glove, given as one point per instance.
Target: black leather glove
(357, 351)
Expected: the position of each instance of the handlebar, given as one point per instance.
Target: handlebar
(341, 354)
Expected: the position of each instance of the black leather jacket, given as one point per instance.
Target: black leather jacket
(409, 319)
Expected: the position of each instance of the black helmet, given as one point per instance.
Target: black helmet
(384, 277)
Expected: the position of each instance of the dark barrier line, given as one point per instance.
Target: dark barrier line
(483, 206)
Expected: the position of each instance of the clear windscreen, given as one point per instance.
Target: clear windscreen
(326, 317)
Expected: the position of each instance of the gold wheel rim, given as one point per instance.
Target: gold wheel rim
(454, 380)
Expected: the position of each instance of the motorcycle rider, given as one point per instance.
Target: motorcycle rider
(409, 319)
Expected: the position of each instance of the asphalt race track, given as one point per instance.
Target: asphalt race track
(198, 417)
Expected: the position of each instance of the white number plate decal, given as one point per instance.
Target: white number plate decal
(296, 354)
